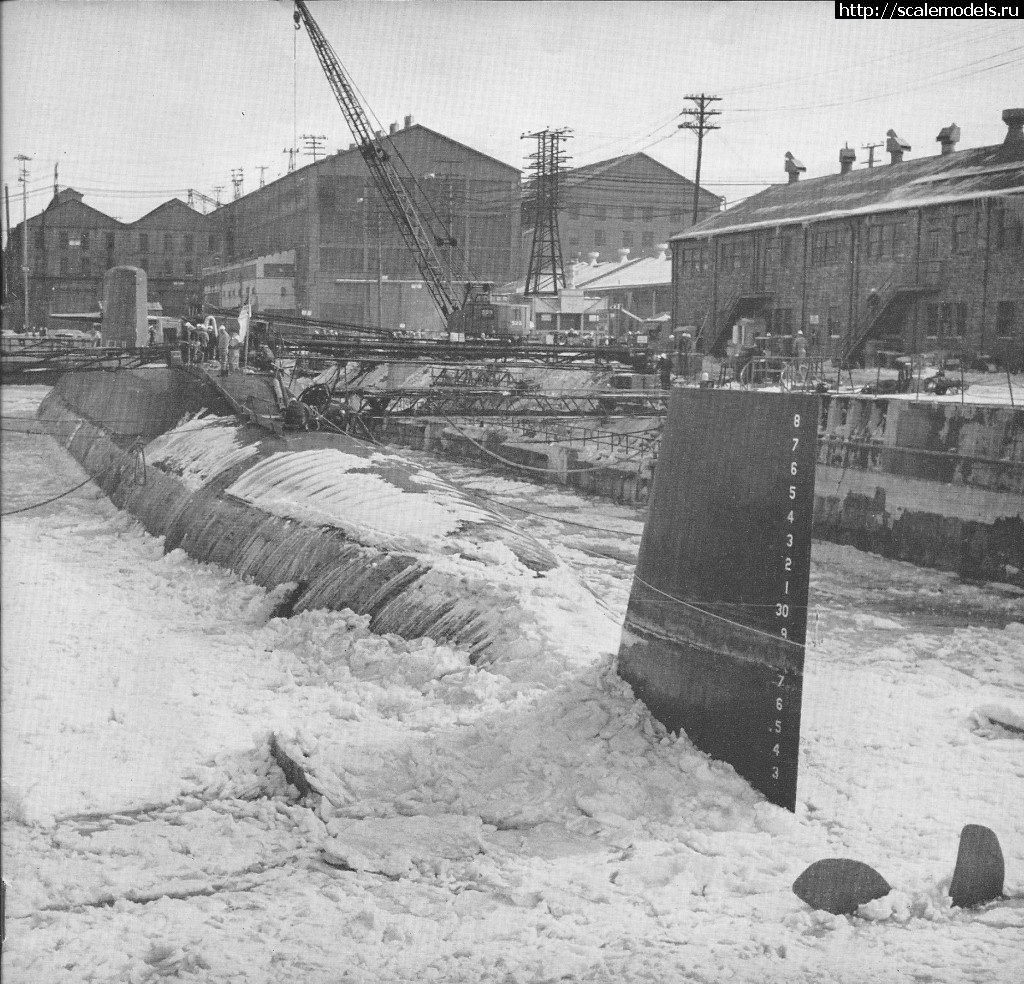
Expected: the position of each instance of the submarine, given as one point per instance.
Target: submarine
(335, 522)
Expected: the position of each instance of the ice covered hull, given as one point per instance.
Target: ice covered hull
(713, 640)
(347, 525)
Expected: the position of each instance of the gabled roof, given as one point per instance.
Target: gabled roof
(68, 197)
(646, 271)
(603, 169)
(175, 204)
(964, 175)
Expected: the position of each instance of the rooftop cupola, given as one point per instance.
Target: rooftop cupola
(794, 168)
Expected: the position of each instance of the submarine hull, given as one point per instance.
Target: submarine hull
(344, 524)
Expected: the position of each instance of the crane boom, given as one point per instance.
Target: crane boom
(417, 238)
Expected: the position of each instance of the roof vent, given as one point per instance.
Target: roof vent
(949, 137)
(895, 147)
(393, 128)
(407, 122)
(662, 249)
(1014, 120)
(846, 158)
(623, 252)
(793, 168)
(592, 258)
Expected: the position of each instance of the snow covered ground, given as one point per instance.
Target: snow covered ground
(518, 823)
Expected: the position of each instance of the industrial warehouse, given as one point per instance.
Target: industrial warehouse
(566, 527)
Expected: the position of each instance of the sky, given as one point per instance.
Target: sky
(137, 101)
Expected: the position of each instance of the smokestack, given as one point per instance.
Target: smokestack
(623, 252)
(846, 158)
(793, 168)
(949, 137)
(592, 258)
(393, 129)
(408, 121)
(895, 147)
(1014, 120)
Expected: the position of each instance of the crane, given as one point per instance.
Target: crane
(421, 240)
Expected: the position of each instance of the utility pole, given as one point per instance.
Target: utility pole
(23, 178)
(870, 148)
(55, 186)
(217, 189)
(262, 168)
(237, 177)
(291, 152)
(314, 144)
(700, 125)
(7, 264)
(451, 241)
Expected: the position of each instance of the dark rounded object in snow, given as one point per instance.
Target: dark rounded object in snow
(978, 876)
(839, 885)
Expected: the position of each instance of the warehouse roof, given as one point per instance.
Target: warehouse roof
(965, 175)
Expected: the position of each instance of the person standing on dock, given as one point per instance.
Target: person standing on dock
(223, 345)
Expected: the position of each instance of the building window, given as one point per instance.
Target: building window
(85, 239)
(952, 320)
(86, 267)
(190, 244)
(40, 239)
(648, 214)
(963, 231)
(65, 265)
(168, 242)
(63, 238)
(599, 237)
(934, 242)
(144, 242)
(735, 255)
(825, 247)
(600, 213)
(189, 267)
(574, 211)
(144, 263)
(676, 215)
(883, 241)
(627, 213)
(834, 323)
(110, 241)
(627, 238)
(787, 253)
(1006, 315)
(647, 239)
(931, 318)
(213, 242)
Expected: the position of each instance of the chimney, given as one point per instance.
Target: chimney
(393, 129)
(1014, 120)
(846, 158)
(592, 258)
(895, 147)
(949, 137)
(793, 168)
(623, 252)
(408, 121)
(662, 249)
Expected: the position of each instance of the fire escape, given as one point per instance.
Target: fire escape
(886, 306)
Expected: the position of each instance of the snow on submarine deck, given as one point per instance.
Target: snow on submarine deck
(347, 525)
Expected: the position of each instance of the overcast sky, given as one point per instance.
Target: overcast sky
(139, 100)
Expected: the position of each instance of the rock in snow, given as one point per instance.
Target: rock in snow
(839, 885)
(979, 872)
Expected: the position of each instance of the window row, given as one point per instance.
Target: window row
(599, 238)
(89, 239)
(628, 213)
(85, 267)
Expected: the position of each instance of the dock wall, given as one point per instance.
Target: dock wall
(935, 484)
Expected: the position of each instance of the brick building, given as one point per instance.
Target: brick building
(631, 202)
(916, 255)
(71, 245)
(350, 263)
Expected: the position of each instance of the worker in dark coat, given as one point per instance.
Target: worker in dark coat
(665, 370)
